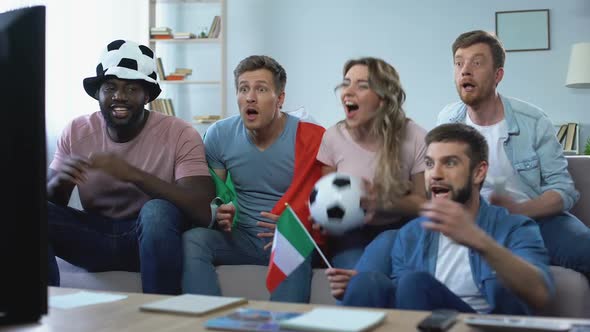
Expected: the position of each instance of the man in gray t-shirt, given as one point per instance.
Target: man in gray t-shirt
(260, 177)
(258, 148)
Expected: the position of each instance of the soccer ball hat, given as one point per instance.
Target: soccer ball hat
(125, 60)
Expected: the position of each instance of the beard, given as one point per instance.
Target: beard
(130, 123)
(460, 195)
(463, 194)
(474, 99)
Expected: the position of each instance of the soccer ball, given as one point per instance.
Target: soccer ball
(335, 203)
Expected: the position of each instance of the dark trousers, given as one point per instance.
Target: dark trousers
(150, 243)
(415, 291)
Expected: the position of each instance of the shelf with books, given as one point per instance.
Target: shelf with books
(187, 35)
(187, 40)
(568, 135)
(189, 82)
(186, 1)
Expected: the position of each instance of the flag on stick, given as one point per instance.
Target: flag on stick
(291, 245)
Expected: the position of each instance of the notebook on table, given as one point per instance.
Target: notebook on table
(190, 304)
(335, 320)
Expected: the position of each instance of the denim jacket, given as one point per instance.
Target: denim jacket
(531, 147)
(416, 249)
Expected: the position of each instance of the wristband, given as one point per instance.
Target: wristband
(215, 203)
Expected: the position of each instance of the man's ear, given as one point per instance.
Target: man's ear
(499, 75)
(480, 172)
(281, 100)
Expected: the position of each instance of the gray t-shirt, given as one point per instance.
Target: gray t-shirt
(261, 178)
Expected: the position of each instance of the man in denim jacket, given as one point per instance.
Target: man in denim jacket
(463, 253)
(528, 172)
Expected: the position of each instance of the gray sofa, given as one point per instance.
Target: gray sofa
(572, 297)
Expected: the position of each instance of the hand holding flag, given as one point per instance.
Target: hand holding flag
(291, 246)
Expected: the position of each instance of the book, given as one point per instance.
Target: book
(206, 118)
(160, 69)
(161, 36)
(179, 74)
(160, 30)
(168, 106)
(561, 133)
(184, 35)
(162, 105)
(335, 320)
(160, 33)
(183, 71)
(210, 33)
(570, 136)
(215, 27)
(174, 77)
(190, 304)
(246, 319)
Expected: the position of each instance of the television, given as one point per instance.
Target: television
(23, 210)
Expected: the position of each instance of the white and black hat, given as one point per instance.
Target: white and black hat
(125, 60)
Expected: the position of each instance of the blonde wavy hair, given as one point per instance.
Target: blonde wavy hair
(388, 126)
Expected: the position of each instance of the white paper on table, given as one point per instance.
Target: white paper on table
(81, 299)
(335, 320)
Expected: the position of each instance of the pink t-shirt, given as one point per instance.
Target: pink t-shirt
(339, 150)
(167, 147)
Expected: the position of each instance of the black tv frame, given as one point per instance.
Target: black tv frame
(23, 210)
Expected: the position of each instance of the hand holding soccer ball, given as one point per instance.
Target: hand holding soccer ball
(335, 203)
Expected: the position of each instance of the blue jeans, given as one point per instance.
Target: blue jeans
(206, 248)
(150, 243)
(347, 249)
(568, 241)
(415, 291)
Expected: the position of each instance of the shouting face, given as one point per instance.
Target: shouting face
(475, 76)
(449, 173)
(258, 99)
(360, 102)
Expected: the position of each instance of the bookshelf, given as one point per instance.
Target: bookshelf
(570, 132)
(202, 51)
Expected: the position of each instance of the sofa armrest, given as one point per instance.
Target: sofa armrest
(578, 166)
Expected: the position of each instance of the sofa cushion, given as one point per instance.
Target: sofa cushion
(243, 281)
(119, 281)
(572, 298)
(249, 281)
(572, 294)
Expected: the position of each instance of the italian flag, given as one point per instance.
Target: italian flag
(291, 245)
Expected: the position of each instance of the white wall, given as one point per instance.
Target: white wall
(77, 31)
(313, 39)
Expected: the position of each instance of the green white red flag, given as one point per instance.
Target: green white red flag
(291, 245)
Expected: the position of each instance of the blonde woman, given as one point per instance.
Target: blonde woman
(377, 142)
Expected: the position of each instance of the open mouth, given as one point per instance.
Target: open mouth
(120, 111)
(468, 86)
(251, 113)
(439, 191)
(350, 107)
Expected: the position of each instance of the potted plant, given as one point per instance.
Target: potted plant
(587, 147)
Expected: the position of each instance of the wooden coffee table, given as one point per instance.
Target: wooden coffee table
(124, 315)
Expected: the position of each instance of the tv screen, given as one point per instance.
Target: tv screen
(23, 220)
